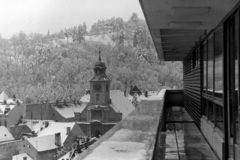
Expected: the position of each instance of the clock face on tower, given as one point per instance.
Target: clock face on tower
(97, 87)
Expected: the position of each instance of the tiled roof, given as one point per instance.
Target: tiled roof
(5, 135)
(121, 103)
(56, 127)
(85, 98)
(53, 127)
(44, 143)
(68, 111)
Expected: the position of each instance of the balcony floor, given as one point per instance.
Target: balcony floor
(182, 139)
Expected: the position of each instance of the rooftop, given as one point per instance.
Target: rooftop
(44, 128)
(43, 143)
(119, 101)
(5, 135)
(69, 110)
(3, 96)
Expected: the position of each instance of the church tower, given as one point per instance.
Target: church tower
(99, 85)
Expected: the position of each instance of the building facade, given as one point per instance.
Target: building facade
(100, 115)
(205, 37)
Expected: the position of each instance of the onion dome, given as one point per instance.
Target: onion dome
(99, 63)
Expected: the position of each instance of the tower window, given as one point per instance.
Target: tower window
(98, 88)
(97, 97)
(107, 88)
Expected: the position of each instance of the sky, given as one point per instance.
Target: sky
(39, 16)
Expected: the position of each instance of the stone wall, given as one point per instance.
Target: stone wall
(9, 148)
(38, 112)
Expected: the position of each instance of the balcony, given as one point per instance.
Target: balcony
(157, 129)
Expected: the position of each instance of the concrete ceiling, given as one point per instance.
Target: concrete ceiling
(177, 25)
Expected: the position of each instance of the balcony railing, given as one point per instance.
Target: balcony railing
(132, 138)
(157, 129)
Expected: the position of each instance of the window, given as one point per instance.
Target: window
(219, 117)
(211, 111)
(0, 122)
(205, 67)
(96, 115)
(196, 58)
(204, 106)
(237, 106)
(97, 97)
(97, 88)
(213, 78)
(210, 65)
(219, 63)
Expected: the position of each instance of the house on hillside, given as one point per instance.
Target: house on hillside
(41, 148)
(104, 38)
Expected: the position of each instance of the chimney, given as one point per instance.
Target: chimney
(68, 130)
(125, 93)
(58, 139)
(146, 94)
(65, 102)
(14, 97)
(74, 101)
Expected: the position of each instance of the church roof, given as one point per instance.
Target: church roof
(135, 89)
(99, 64)
(101, 77)
(68, 111)
(121, 103)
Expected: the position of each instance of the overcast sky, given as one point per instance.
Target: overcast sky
(42, 15)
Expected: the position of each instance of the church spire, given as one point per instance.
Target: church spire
(100, 55)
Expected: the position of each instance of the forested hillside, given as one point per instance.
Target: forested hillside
(55, 66)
